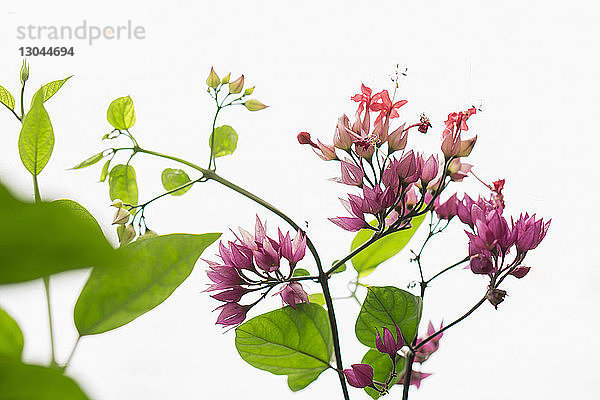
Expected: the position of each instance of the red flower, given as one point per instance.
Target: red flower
(364, 98)
(458, 120)
(385, 107)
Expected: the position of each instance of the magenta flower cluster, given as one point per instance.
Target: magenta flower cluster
(491, 237)
(255, 264)
(394, 187)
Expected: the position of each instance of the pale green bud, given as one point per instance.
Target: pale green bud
(121, 217)
(24, 72)
(126, 234)
(254, 105)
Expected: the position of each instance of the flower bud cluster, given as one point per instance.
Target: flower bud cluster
(255, 264)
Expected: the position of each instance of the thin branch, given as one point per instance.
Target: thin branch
(448, 269)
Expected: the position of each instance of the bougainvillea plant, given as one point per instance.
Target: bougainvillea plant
(391, 188)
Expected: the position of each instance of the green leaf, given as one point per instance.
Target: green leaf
(36, 140)
(296, 343)
(6, 98)
(382, 368)
(300, 272)
(317, 298)
(104, 172)
(147, 273)
(339, 269)
(90, 161)
(122, 184)
(173, 178)
(121, 114)
(38, 240)
(50, 89)
(387, 306)
(11, 337)
(383, 249)
(20, 381)
(225, 141)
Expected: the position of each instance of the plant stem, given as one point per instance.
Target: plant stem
(46, 279)
(407, 374)
(72, 353)
(22, 101)
(448, 269)
(36, 189)
(212, 141)
(12, 111)
(353, 253)
(50, 324)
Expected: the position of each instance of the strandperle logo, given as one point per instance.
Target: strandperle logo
(85, 31)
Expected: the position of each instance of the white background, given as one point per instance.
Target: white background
(534, 66)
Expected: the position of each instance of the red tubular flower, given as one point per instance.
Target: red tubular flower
(385, 106)
(424, 124)
(363, 98)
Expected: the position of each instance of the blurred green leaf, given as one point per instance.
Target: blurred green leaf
(36, 140)
(225, 141)
(382, 368)
(121, 114)
(122, 184)
(38, 240)
(383, 249)
(6, 98)
(173, 178)
(387, 306)
(147, 273)
(300, 272)
(20, 381)
(317, 298)
(296, 343)
(50, 89)
(11, 337)
(90, 161)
